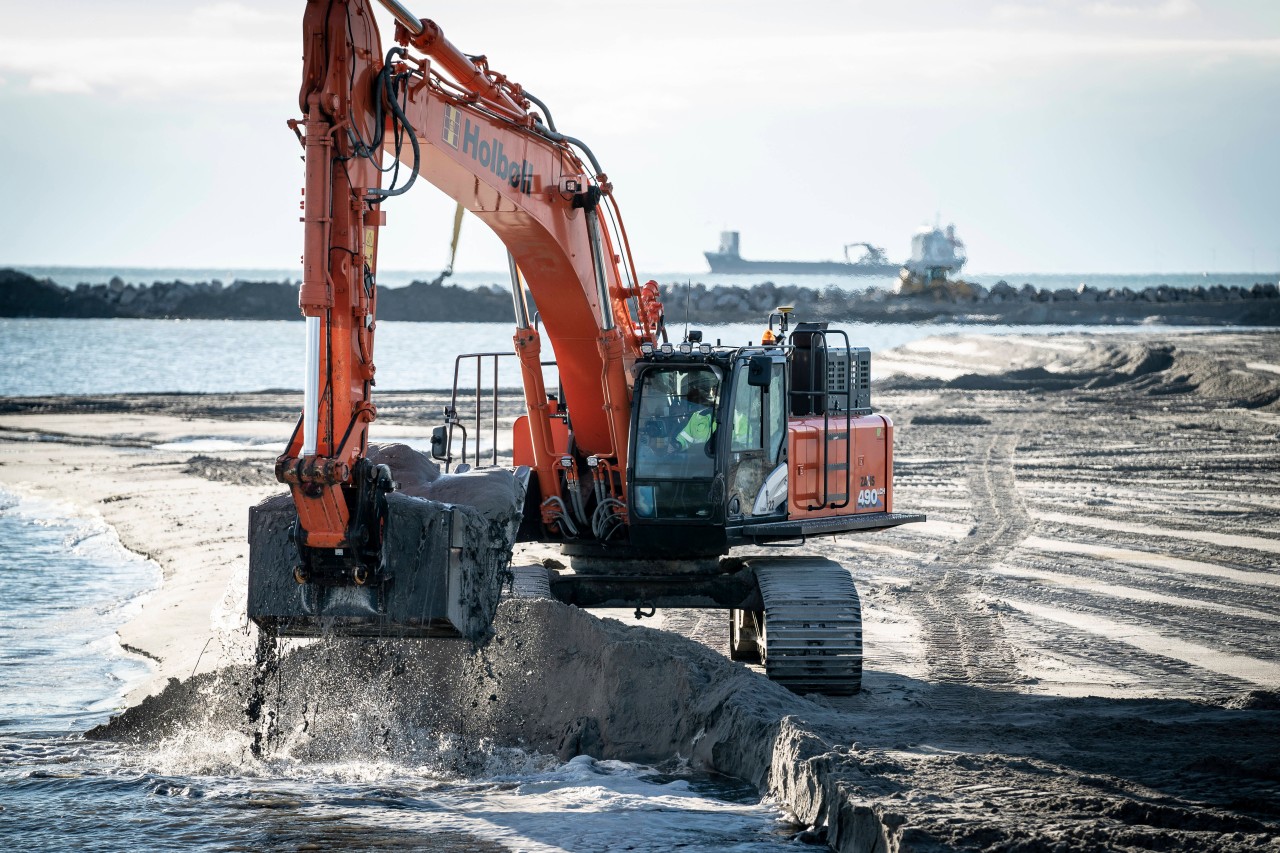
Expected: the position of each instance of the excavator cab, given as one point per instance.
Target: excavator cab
(793, 447)
(709, 446)
(708, 437)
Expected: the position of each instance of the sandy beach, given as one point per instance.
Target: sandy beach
(1076, 652)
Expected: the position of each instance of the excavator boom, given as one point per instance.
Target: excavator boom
(446, 117)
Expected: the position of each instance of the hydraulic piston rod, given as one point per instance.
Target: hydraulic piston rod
(311, 390)
(403, 15)
(602, 282)
(517, 294)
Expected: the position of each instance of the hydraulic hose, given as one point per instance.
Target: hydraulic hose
(548, 133)
(384, 79)
(546, 112)
(562, 514)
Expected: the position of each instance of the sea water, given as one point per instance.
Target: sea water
(66, 585)
(121, 356)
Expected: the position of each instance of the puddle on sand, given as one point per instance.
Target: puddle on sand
(212, 445)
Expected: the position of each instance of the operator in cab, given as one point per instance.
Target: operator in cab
(701, 423)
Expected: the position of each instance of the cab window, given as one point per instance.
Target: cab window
(676, 420)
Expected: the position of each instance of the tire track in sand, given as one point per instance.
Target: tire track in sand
(964, 634)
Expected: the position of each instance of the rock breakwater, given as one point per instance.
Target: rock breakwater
(966, 302)
(22, 295)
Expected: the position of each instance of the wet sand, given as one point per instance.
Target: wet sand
(1076, 652)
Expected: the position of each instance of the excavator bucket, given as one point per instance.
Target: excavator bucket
(439, 574)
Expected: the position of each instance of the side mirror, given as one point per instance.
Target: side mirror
(440, 443)
(759, 371)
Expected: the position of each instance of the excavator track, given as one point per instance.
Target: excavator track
(529, 582)
(811, 637)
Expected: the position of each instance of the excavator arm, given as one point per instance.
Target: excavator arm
(427, 112)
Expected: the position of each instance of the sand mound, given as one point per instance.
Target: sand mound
(1113, 365)
(1255, 700)
(949, 420)
(555, 680)
(1146, 367)
(413, 471)
(242, 472)
(491, 491)
(1232, 384)
(1101, 366)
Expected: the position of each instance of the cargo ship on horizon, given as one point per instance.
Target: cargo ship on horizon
(728, 260)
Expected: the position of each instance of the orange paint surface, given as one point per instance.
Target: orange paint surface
(819, 473)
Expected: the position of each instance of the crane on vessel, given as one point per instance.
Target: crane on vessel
(872, 255)
(607, 464)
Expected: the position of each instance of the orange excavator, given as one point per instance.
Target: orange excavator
(649, 462)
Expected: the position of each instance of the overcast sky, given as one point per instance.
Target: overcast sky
(1119, 135)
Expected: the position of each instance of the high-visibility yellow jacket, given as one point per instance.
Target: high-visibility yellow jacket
(697, 429)
(702, 424)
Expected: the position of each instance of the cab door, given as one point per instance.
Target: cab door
(755, 425)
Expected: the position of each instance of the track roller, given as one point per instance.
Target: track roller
(744, 635)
